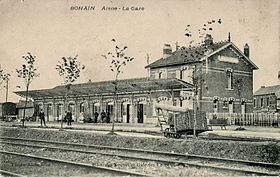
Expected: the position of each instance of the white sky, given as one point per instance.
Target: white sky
(50, 30)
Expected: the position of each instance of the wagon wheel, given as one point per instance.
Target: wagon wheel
(165, 133)
(177, 135)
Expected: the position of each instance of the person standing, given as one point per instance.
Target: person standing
(95, 117)
(103, 116)
(108, 117)
(42, 117)
(69, 118)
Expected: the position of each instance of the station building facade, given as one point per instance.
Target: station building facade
(218, 64)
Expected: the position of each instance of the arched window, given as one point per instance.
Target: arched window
(82, 107)
(230, 106)
(243, 107)
(215, 105)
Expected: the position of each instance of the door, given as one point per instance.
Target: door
(127, 113)
(140, 113)
(49, 112)
(109, 112)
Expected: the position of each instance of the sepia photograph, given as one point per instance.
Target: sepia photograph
(164, 88)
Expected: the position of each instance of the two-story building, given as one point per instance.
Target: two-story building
(226, 74)
(267, 99)
(218, 67)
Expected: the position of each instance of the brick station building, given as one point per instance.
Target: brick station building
(170, 82)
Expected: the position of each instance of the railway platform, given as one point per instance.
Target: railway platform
(250, 132)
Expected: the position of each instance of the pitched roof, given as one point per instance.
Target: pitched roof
(195, 54)
(267, 90)
(186, 55)
(108, 87)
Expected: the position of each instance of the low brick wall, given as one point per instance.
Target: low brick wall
(255, 151)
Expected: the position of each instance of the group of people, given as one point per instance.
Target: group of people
(68, 117)
(104, 117)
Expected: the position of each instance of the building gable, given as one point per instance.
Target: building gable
(229, 57)
(230, 53)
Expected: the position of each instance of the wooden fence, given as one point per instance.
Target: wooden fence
(248, 119)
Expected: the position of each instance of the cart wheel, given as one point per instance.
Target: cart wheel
(168, 135)
(165, 133)
(177, 135)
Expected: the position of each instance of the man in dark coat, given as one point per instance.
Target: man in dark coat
(42, 118)
(69, 118)
(95, 117)
(108, 117)
(103, 116)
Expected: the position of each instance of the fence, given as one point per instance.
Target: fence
(248, 119)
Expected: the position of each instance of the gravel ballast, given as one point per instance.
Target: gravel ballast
(254, 151)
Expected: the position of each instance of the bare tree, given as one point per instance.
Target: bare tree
(28, 73)
(197, 37)
(69, 69)
(118, 59)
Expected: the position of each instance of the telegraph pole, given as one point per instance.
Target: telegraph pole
(197, 81)
(7, 89)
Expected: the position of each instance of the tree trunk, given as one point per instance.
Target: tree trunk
(26, 99)
(65, 107)
(115, 105)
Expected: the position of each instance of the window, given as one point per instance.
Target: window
(225, 105)
(215, 106)
(243, 108)
(230, 106)
(82, 107)
(160, 75)
(261, 102)
(267, 101)
(278, 104)
(229, 78)
(175, 102)
(255, 102)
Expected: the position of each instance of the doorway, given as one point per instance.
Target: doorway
(127, 113)
(109, 110)
(140, 113)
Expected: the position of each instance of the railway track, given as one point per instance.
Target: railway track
(8, 173)
(99, 169)
(236, 166)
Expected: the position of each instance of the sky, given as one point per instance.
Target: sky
(50, 30)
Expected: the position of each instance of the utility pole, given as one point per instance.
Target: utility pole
(7, 89)
(197, 81)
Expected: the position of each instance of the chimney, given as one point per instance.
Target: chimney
(208, 40)
(167, 50)
(246, 50)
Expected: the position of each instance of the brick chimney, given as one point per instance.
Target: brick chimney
(246, 50)
(167, 50)
(208, 40)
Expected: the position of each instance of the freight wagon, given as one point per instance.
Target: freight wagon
(179, 121)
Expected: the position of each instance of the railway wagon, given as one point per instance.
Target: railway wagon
(8, 111)
(176, 121)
